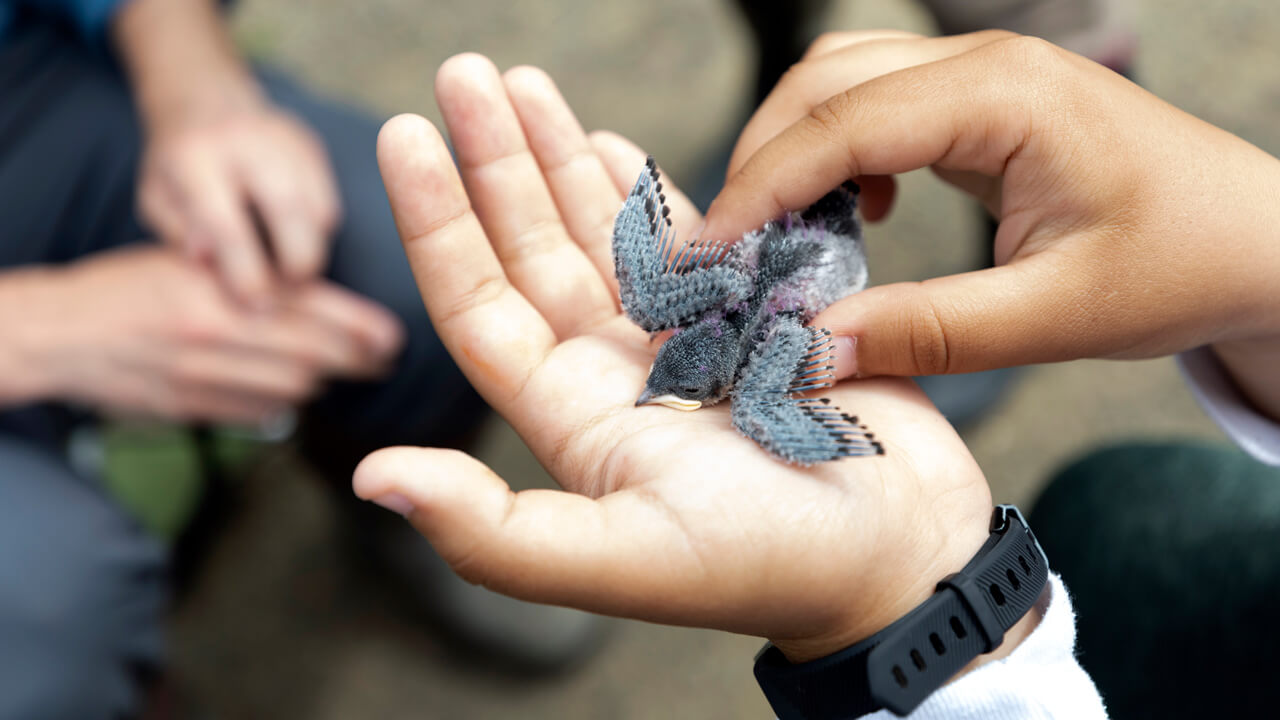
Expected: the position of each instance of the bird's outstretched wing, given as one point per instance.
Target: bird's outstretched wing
(664, 284)
(795, 359)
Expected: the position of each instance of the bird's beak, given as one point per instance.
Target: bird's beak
(674, 402)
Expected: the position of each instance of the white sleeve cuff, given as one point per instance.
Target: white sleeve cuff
(1217, 394)
(1039, 679)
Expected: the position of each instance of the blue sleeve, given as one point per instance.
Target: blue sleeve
(88, 17)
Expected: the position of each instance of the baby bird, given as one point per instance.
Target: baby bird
(739, 314)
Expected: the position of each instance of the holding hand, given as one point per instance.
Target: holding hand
(668, 516)
(1128, 229)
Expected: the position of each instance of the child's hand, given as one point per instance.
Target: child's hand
(670, 516)
(1128, 228)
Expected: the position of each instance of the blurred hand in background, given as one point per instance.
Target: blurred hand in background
(140, 330)
(226, 176)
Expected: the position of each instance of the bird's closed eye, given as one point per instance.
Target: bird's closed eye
(691, 390)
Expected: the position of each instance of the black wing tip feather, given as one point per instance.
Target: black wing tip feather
(676, 259)
(804, 430)
(653, 269)
(816, 370)
(852, 438)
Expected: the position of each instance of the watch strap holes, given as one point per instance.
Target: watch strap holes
(1013, 580)
(997, 594)
(918, 660)
(1025, 567)
(957, 627)
(936, 641)
(899, 676)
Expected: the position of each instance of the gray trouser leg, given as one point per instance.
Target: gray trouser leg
(82, 593)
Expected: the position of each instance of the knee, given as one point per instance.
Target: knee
(81, 595)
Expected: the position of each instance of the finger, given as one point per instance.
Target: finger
(833, 41)
(322, 183)
(282, 335)
(619, 555)
(376, 327)
(291, 220)
(844, 63)
(319, 191)
(512, 201)
(624, 162)
(289, 336)
(212, 404)
(1031, 311)
(219, 406)
(984, 188)
(267, 380)
(955, 113)
(160, 209)
(584, 193)
(494, 334)
(298, 245)
(215, 209)
(876, 199)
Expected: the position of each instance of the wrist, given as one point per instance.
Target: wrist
(896, 587)
(988, 607)
(181, 62)
(32, 335)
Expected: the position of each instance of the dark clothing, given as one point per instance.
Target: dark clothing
(89, 18)
(1169, 551)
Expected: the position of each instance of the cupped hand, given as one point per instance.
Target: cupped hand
(244, 185)
(1128, 228)
(141, 331)
(666, 516)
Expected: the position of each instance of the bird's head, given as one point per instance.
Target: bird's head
(693, 368)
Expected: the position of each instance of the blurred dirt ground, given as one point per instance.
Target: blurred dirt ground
(282, 625)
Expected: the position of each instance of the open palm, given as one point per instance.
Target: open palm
(672, 517)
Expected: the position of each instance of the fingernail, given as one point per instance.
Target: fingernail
(395, 502)
(844, 356)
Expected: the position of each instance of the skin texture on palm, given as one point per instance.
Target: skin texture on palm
(667, 517)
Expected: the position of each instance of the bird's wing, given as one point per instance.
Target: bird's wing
(794, 359)
(664, 284)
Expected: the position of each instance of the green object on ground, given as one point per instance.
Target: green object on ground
(154, 471)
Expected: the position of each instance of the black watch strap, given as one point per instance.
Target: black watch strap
(898, 667)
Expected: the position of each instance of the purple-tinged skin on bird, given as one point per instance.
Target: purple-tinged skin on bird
(738, 313)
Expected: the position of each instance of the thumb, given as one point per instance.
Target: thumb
(617, 555)
(1031, 311)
